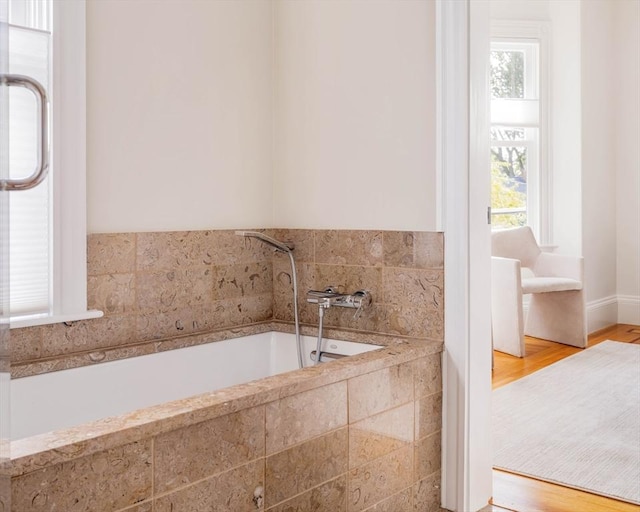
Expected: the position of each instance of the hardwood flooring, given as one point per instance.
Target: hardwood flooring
(521, 494)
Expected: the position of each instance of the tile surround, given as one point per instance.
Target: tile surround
(157, 287)
(370, 462)
(372, 444)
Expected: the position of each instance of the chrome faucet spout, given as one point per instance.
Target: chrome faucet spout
(285, 247)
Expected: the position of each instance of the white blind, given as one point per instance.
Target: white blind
(30, 210)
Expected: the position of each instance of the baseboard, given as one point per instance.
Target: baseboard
(629, 309)
(602, 313)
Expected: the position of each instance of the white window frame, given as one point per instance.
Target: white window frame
(539, 183)
(68, 156)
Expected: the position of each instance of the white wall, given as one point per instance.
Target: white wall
(594, 153)
(181, 122)
(566, 123)
(598, 154)
(626, 97)
(179, 114)
(355, 115)
(520, 10)
(565, 117)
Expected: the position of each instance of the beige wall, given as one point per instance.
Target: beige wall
(355, 114)
(626, 63)
(181, 127)
(179, 114)
(598, 153)
(595, 155)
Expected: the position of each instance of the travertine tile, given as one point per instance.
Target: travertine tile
(303, 241)
(328, 497)
(232, 490)
(380, 434)
(427, 455)
(111, 480)
(428, 415)
(300, 417)
(87, 335)
(159, 292)
(405, 286)
(248, 310)
(242, 279)
(349, 247)
(305, 466)
(415, 320)
(112, 293)
(111, 253)
(189, 454)
(178, 322)
(227, 248)
(415, 249)
(378, 391)
(217, 315)
(427, 373)
(172, 250)
(142, 507)
(373, 482)
(5, 492)
(283, 291)
(371, 319)
(25, 344)
(427, 494)
(401, 502)
(350, 278)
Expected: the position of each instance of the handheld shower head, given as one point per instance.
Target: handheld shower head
(277, 245)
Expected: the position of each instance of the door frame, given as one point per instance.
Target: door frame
(462, 163)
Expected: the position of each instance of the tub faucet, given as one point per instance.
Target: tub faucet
(330, 297)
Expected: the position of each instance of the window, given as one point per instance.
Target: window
(47, 224)
(519, 166)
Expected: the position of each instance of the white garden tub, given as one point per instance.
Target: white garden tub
(62, 399)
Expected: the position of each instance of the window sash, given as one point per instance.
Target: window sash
(30, 219)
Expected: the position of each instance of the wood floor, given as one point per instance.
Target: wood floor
(516, 493)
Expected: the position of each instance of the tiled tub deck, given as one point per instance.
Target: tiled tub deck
(358, 434)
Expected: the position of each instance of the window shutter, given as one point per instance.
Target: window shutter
(29, 217)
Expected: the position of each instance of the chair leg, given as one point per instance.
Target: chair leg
(558, 316)
(506, 307)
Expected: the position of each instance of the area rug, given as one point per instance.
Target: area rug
(575, 422)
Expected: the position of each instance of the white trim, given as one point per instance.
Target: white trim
(515, 30)
(602, 313)
(452, 125)
(69, 158)
(466, 464)
(629, 309)
(33, 320)
(607, 311)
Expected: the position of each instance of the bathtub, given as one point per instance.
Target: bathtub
(153, 433)
(67, 398)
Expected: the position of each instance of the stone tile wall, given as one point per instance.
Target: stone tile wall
(403, 270)
(368, 443)
(156, 288)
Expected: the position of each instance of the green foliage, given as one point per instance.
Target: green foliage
(507, 74)
(505, 195)
(508, 162)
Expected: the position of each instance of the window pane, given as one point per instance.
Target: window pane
(500, 133)
(507, 74)
(29, 218)
(508, 186)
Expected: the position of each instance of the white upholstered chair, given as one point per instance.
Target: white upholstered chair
(557, 307)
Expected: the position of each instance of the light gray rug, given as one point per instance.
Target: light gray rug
(576, 422)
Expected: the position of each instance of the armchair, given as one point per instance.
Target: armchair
(557, 307)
